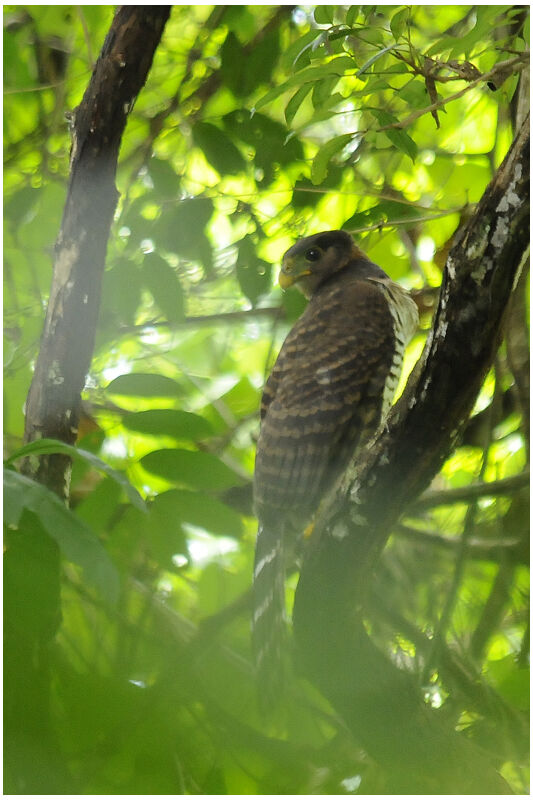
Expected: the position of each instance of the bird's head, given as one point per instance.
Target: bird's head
(312, 260)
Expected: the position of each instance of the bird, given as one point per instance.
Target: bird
(328, 393)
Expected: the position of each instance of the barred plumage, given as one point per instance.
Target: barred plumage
(328, 392)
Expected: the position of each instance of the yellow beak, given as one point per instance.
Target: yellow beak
(285, 280)
(287, 277)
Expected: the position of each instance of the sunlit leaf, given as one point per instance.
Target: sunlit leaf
(324, 14)
(191, 468)
(168, 422)
(141, 384)
(337, 66)
(296, 101)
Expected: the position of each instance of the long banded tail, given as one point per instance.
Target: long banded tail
(268, 615)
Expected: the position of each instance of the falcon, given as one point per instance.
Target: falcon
(329, 391)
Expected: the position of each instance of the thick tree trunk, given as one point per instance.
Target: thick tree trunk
(53, 404)
(382, 705)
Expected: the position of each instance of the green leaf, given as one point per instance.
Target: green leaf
(337, 66)
(319, 168)
(232, 64)
(191, 468)
(374, 58)
(45, 446)
(242, 399)
(196, 508)
(323, 90)
(99, 507)
(305, 194)
(21, 204)
(296, 101)
(141, 384)
(218, 149)
(75, 539)
(253, 274)
(259, 63)
(181, 229)
(297, 54)
(381, 212)
(164, 286)
(414, 93)
(324, 14)
(168, 422)
(267, 137)
(398, 22)
(399, 138)
(121, 293)
(164, 178)
(351, 15)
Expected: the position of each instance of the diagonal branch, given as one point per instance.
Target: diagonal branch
(375, 698)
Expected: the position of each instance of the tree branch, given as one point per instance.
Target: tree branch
(53, 404)
(376, 699)
(465, 494)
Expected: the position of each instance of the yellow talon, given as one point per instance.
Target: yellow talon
(309, 530)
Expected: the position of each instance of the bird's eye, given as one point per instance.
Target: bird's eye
(313, 254)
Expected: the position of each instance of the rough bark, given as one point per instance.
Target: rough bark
(382, 704)
(34, 762)
(53, 404)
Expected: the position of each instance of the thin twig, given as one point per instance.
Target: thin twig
(472, 492)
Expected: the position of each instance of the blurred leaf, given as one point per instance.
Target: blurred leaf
(166, 182)
(321, 161)
(218, 149)
(253, 274)
(242, 399)
(305, 192)
(191, 468)
(100, 505)
(168, 422)
(181, 229)
(164, 286)
(197, 509)
(232, 64)
(141, 384)
(259, 63)
(511, 681)
(267, 137)
(121, 291)
(21, 204)
(44, 446)
(76, 541)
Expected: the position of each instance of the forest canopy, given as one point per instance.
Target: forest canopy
(127, 613)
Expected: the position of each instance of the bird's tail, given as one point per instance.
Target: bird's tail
(268, 617)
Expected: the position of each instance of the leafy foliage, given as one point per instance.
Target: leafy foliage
(258, 124)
